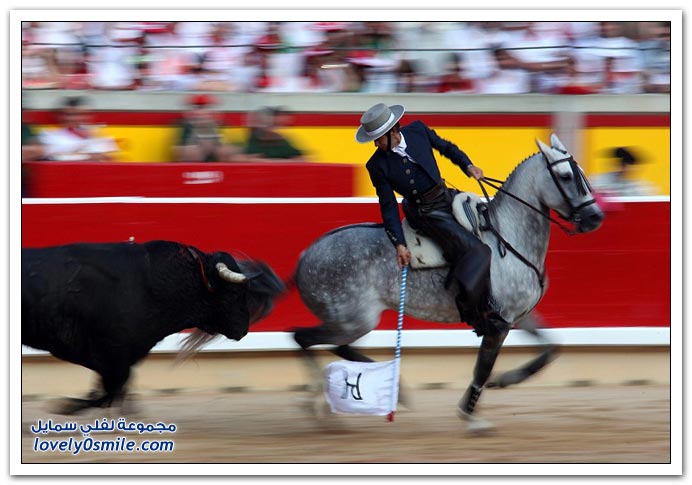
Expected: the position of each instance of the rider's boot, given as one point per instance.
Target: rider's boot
(468, 401)
(472, 273)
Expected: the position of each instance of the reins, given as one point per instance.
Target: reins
(503, 244)
(494, 184)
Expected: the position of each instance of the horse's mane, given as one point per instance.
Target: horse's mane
(510, 178)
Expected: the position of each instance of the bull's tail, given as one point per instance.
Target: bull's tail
(291, 282)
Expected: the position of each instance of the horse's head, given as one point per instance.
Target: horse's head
(568, 192)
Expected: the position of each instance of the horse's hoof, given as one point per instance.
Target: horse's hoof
(474, 425)
(317, 407)
(405, 399)
(322, 409)
(130, 407)
(496, 384)
(480, 427)
(507, 379)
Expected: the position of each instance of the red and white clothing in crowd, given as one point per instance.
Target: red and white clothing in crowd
(77, 144)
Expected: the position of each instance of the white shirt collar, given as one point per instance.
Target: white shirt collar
(401, 148)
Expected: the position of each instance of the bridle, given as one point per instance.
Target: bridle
(582, 186)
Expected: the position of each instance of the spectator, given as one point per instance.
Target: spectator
(373, 69)
(539, 48)
(164, 65)
(326, 71)
(111, 65)
(219, 59)
(39, 69)
(77, 138)
(200, 138)
(32, 149)
(655, 48)
(477, 40)
(421, 42)
(341, 56)
(570, 81)
(264, 142)
(508, 77)
(201, 78)
(592, 57)
(454, 78)
(409, 79)
(375, 74)
(621, 182)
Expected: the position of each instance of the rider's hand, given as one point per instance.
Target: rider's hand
(403, 255)
(475, 172)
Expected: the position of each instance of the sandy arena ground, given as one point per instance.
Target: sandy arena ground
(559, 417)
(614, 424)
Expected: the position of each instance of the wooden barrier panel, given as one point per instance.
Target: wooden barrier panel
(618, 276)
(266, 179)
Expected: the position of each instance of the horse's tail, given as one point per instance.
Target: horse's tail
(291, 282)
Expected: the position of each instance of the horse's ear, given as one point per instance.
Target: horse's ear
(545, 149)
(556, 143)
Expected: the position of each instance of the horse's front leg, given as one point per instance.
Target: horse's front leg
(532, 323)
(487, 355)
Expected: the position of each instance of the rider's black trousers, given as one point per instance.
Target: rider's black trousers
(469, 258)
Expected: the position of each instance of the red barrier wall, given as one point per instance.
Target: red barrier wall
(322, 119)
(618, 276)
(271, 179)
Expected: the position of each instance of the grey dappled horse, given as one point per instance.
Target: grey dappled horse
(349, 276)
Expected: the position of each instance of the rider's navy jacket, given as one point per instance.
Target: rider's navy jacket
(389, 172)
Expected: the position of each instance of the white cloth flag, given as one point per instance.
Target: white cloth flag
(362, 387)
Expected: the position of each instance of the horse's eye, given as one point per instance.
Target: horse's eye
(566, 177)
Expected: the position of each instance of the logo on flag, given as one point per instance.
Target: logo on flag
(367, 387)
(362, 387)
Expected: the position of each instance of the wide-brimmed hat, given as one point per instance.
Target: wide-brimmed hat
(377, 121)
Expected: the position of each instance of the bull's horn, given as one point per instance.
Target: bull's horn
(230, 276)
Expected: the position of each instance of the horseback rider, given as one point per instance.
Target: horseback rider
(404, 163)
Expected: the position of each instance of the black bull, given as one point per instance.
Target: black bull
(104, 306)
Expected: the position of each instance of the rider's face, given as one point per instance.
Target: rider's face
(381, 142)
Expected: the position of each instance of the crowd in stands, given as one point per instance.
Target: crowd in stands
(382, 57)
(199, 138)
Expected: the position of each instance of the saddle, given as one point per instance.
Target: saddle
(425, 253)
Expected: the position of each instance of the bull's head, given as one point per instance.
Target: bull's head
(240, 298)
(231, 317)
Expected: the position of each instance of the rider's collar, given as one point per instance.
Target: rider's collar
(401, 149)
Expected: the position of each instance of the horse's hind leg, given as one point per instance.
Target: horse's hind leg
(531, 324)
(347, 352)
(487, 355)
(306, 338)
